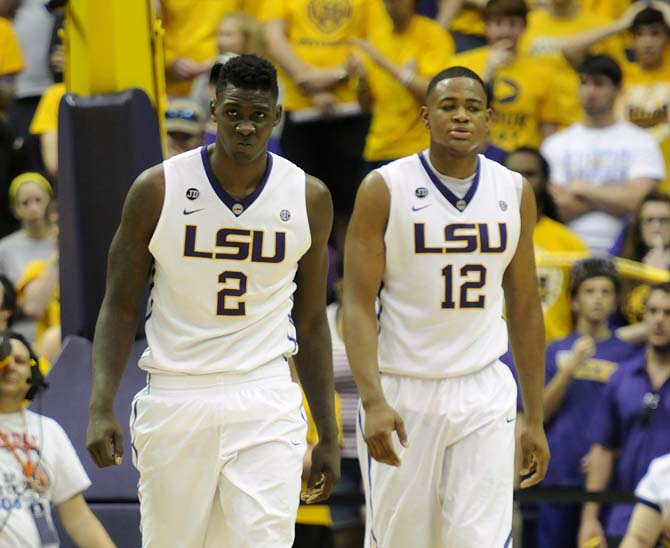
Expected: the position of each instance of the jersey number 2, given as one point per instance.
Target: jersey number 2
(238, 289)
(473, 277)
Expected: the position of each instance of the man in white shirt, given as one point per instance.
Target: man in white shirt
(38, 465)
(601, 168)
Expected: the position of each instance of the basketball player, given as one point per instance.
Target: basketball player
(218, 433)
(444, 233)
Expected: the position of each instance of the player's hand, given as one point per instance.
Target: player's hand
(324, 472)
(591, 534)
(104, 439)
(534, 455)
(380, 422)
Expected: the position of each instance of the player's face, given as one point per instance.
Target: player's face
(457, 116)
(655, 223)
(649, 45)
(529, 167)
(657, 318)
(597, 94)
(31, 203)
(245, 120)
(504, 27)
(14, 377)
(595, 299)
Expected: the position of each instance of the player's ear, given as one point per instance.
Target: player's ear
(212, 108)
(424, 116)
(279, 110)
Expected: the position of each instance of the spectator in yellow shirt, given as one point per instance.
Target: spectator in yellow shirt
(45, 126)
(11, 62)
(400, 62)
(524, 99)
(549, 236)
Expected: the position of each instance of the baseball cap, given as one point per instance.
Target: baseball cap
(185, 116)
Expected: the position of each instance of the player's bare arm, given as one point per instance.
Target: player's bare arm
(314, 359)
(526, 333)
(128, 266)
(363, 271)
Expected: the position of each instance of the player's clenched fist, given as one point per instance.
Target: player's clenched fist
(104, 439)
(380, 422)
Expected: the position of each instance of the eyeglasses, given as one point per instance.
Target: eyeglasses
(182, 114)
(650, 402)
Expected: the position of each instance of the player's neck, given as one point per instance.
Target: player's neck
(596, 330)
(658, 366)
(460, 167)
(10, 405)
(238, 180)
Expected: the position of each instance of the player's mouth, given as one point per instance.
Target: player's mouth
(460, 132)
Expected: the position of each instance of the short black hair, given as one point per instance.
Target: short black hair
(601, 65)
(545, 203)
(544, 165)
(249, 72)
(8, 299)
(593, 267)
(458, 72)
(662, 286)
(648, 16)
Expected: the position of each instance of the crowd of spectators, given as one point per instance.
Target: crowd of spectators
(580, 98)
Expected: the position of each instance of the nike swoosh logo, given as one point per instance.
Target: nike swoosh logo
(510, 420)
(296, 443)
(187, 212)
(414, 208)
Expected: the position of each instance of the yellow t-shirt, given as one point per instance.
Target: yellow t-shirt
(397, 129)
(318, 514)
(190, 31)
(645, 101)
(545, 36)
(51, 316)
(45, 119)
(11, 58)
(469, 20)
(320, 32)
(523, 98)
(553, 237)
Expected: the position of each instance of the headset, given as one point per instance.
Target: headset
(36, 381)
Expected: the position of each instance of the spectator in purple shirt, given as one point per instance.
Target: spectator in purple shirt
(631, 425)
(578, 368)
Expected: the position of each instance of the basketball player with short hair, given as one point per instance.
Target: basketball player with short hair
(235, 241)
(446, 234)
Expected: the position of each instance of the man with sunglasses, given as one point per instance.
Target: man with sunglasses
(234, 241)
(185, 126)
(629, 427)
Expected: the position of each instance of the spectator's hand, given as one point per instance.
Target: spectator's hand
(380, 422)
(183, 69)
(501, 55)
(534, 454)
(570, 206)
(585, 463)
(590, 530)
(316, 80)
(57, 58)
(658, 256)
(104, 439)
(355, 67)
(324, 472)
(325, 102)
(583, 349)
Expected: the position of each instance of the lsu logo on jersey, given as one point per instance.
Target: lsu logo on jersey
(462, 238)
(237, 244)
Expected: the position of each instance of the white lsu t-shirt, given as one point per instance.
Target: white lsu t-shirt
(610, 156)
(52, 449)
(654, 488)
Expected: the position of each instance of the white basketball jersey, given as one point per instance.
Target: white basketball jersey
(442, 296)
(222, 288)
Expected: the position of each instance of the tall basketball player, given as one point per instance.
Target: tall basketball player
(234, 239)
(447, 235)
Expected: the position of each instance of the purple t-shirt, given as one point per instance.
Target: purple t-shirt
(634, 419)
(567, 430)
